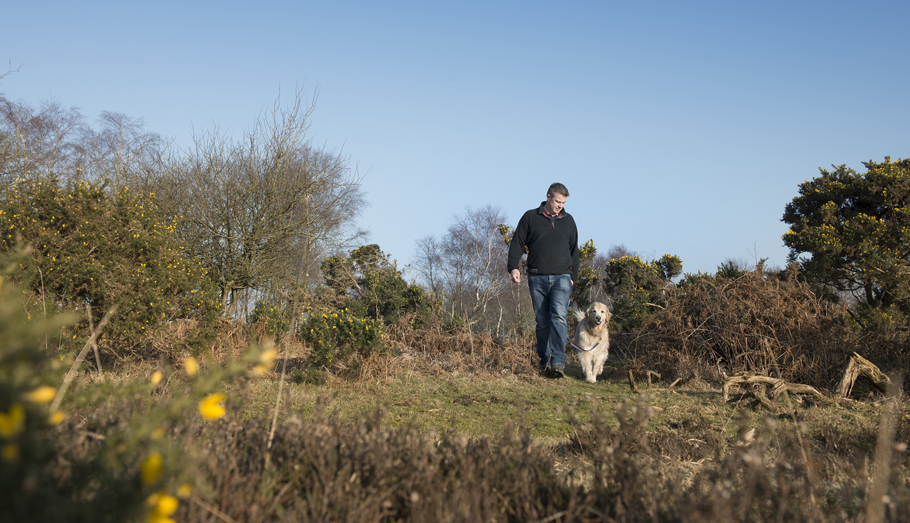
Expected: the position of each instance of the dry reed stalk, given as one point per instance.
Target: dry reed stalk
(284, 368)
(72, 372)
(91, 326)
(884, 448)
(214, 511)
(810, 470)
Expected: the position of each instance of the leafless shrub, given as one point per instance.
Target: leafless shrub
(460, 348)
(759, 324)
(723, 326)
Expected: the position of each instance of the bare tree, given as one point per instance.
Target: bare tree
(53, 141)
(262, 212)
(120, 151)
(467, 265)
(37, 143)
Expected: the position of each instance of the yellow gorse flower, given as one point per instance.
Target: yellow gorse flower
(191, 366)
(43, 394)
(211, 407)
(156, 377)
(56, 418)
(161, 507)
(267, 357)
(12, 422)
(184, 491)
(151, 468)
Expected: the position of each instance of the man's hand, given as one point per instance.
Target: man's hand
(516, 276)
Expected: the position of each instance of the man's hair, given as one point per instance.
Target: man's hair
(558, 188)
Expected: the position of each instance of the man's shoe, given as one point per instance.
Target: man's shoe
(556, 371)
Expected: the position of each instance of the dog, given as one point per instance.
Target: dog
(592, 339)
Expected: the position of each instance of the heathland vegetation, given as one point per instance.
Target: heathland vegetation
(202, 335)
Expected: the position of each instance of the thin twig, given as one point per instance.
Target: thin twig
(884, 451)
(75, 367)
(91, 326)
(221, 515)
(284, 367)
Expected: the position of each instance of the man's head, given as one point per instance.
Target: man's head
(557, 195)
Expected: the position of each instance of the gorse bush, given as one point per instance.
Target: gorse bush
(588, 276)
(90, 247)
(335, 337)
(371, 285)
(849, 231)
(270, 317)
(637, 288)
(128, 469)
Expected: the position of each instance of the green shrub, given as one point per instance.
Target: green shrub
(367, 282)
(51, 470)
(270, 317)
(731, 270)
(90, 247)
(637, 288)
(338, 336)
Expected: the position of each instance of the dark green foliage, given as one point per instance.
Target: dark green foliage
(637, 288)
(588, 276)
(270, 318)
(369, 284)
(337, 336)
(850, 231)
(90, 247)
(42, 477)
(730, 270)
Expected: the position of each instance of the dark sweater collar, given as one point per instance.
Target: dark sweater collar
(540, 210)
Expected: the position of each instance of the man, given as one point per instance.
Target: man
(551, 239)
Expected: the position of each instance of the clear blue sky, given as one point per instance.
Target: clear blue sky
(678, 127)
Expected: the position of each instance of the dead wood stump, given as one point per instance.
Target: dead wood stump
(860, 367)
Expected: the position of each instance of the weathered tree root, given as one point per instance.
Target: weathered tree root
(778, 386)
(860, 367)
(649, 374)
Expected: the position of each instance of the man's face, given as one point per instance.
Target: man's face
(555, 203)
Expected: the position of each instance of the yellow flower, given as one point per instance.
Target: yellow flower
(43, 394)
(156, 377)
(161, 507)
(211, 407)
(184, 491)
(267, 357)
(12, 422)
(191, 366)
(151, 468)
(10, 452)
(56, 418)
(260, 369)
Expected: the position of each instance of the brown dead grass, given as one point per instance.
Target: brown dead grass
(757, 325)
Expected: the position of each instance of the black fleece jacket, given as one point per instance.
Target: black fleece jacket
(552, 243)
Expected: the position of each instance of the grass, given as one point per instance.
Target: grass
(481, 405)
(449, 437)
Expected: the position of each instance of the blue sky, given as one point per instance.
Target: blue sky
(678, 127)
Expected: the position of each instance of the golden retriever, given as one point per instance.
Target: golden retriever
(592, 340)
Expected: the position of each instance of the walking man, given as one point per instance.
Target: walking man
(551, 239)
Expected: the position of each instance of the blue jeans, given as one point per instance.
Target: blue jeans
(550, 299)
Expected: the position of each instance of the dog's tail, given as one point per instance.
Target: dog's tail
(579, 315)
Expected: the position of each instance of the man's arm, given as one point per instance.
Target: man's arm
(573, 251)
(517, 249)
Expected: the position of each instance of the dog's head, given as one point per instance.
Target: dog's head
(598, 314)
